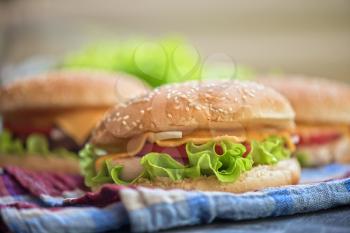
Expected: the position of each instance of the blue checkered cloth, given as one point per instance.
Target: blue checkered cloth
(145, 210)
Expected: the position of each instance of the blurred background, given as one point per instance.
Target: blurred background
(309, 37)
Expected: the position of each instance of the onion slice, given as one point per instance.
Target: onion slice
(167, 135)
(295, 139)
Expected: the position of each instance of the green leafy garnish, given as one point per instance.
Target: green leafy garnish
(87, 164)
(8, 145)
(303, 158)
(203, 160)
(63, 152)
(35, 144)
(269, 151)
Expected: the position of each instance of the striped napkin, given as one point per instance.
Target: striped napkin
(46, 202)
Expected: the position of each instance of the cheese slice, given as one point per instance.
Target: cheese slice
(79, 123)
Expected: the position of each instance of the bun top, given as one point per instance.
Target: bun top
(69, 89)
(196, 105)
(314, 100)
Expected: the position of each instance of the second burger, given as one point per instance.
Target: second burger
(48, 116)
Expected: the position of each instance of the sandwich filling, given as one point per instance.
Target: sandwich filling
(322, 144)
(222, 157)
(35, 144)
(57, 130)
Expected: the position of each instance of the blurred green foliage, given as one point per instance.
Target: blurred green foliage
(157, 62)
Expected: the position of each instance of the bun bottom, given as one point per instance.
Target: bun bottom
(285, 172)
(49, 163)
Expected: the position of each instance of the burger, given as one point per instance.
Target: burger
(221, 136)
(47, 118)
(322, 110)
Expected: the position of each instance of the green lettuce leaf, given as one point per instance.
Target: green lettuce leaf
(269, 151)
(63, 152)
(87, 166)
(8, 145)
(203, 161)
(36, 144)
(303, 158)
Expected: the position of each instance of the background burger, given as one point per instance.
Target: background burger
(224, 136)
(54, 114)
(322, 110)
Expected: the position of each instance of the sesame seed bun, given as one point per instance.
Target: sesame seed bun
(314, 100)
(196, 106)
(69, 89)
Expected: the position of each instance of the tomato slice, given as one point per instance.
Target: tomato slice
(319, 139)
(248, 149)
(218, 149)
(26, 130)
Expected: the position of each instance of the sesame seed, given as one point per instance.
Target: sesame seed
(126, 117)
(142, 111)
(124, 122)
(170, 116)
